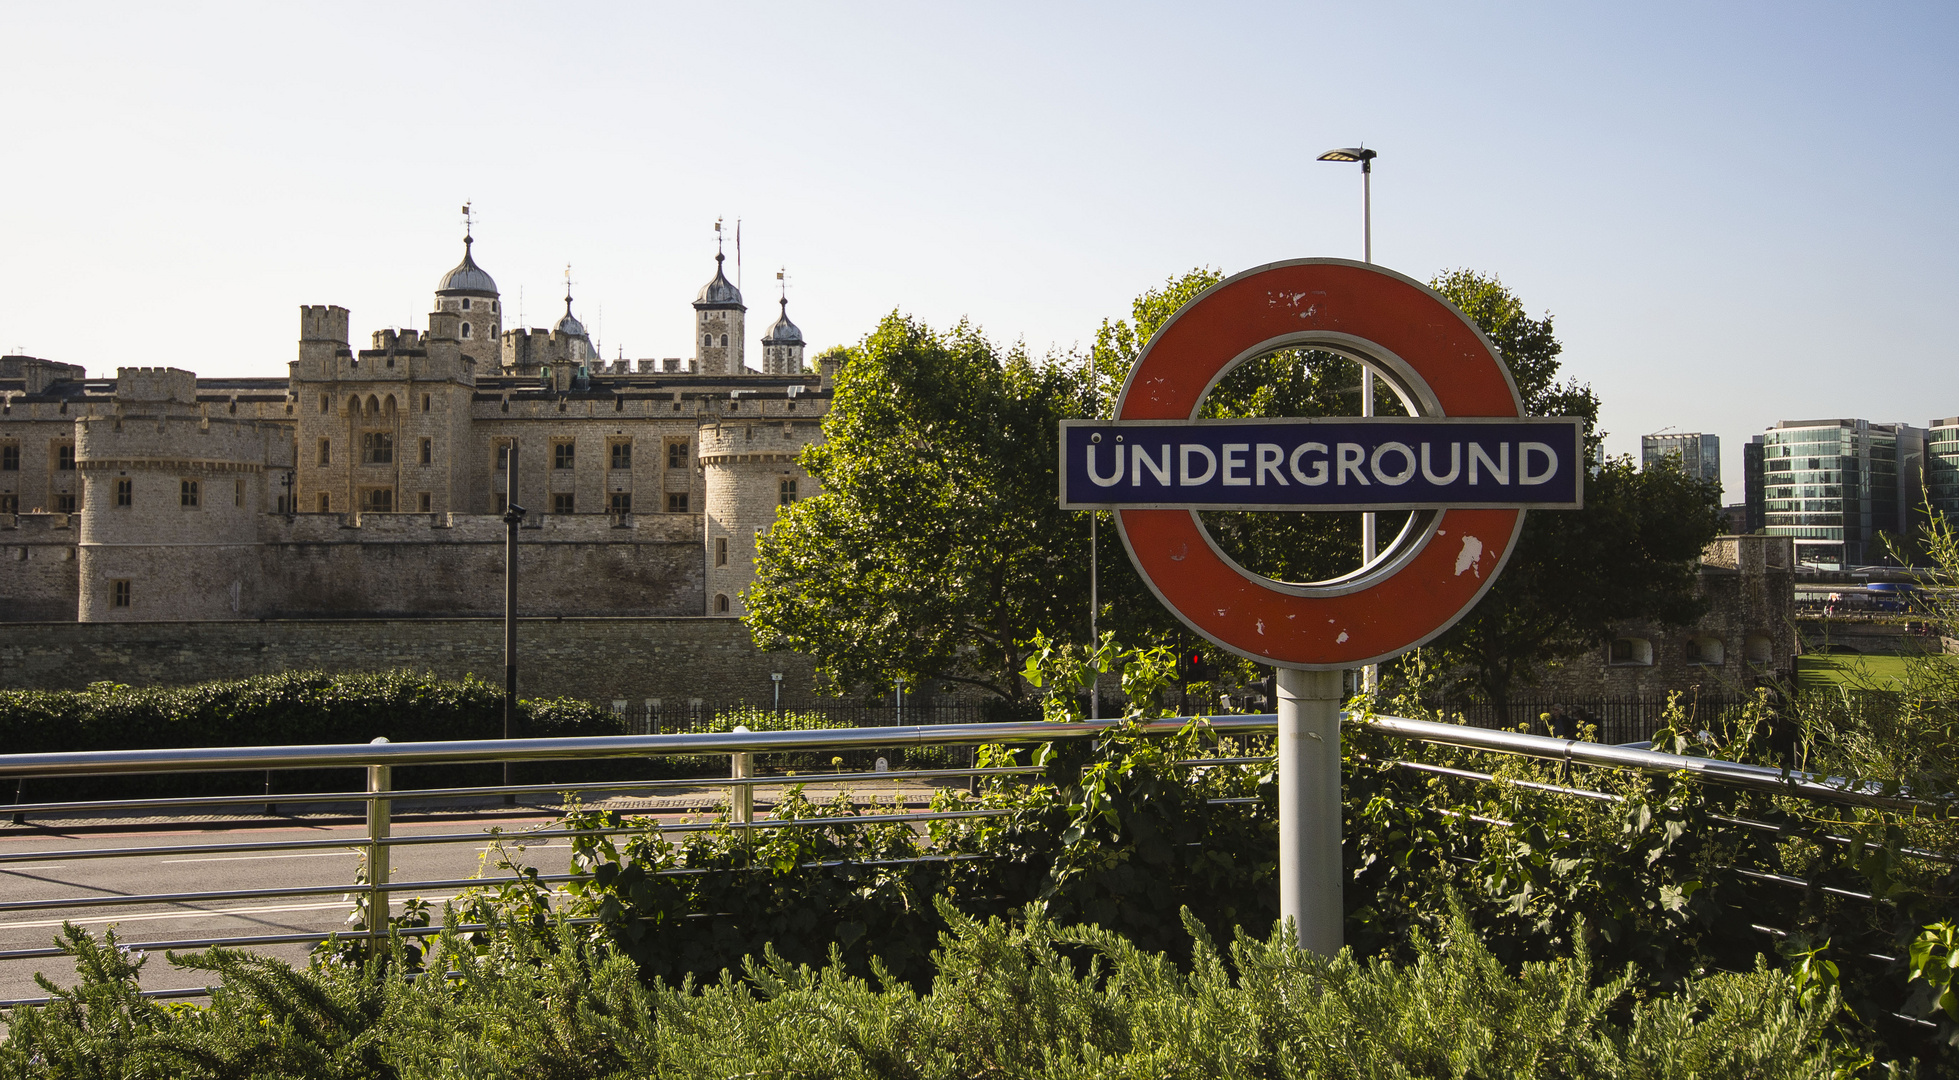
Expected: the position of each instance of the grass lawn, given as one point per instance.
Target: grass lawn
(1839, 669)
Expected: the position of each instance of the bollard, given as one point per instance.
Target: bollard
(380, 780)
(741, 797)
(1309, 807)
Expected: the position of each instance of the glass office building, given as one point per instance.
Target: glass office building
(1834, 485)
(1942, 466)
(1699, 454)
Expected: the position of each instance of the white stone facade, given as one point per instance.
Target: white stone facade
(373, 481)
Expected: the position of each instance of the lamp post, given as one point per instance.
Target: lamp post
(513, 516)
(776, 676)
(1369, 542)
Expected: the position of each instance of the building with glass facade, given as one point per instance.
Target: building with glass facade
(1942, 466)
(1699, 455)
(1833, 486)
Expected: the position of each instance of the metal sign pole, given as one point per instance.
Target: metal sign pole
(1310, 871)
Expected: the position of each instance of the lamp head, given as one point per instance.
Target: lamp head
(1349, 153)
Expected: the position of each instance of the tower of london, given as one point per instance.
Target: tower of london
(373, 481)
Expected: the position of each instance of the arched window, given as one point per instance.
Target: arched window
(465, 306)
(707, 340)
(721, 603)
(724, 340)
(465, 329)
(388, 406)
(373, 405)
(354, 405)
(1630, 652)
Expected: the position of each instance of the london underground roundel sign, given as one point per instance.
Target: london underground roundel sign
(1467, 462)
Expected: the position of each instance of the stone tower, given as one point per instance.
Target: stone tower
(173, 498)
(750, 475)
(472, 295)
(719, 316)
(782, 346)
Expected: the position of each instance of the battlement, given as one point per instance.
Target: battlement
(395, 341)
(36, 373)
(156, 384)
(738, 441)
(479, 529)
(182, 440)
(41, 528)
(1750, 554)
(323, 322)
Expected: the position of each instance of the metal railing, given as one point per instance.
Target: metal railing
(380, 757)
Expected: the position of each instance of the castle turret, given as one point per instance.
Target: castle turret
(719, 316)
(782, 346)
(472, 295)
(750, 476)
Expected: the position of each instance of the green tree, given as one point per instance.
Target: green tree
(1629, 554)
(935, 549)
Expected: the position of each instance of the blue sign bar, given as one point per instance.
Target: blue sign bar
(1344, 463)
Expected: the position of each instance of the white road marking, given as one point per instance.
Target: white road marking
(11, 867)
(248, 858)
(214, 914)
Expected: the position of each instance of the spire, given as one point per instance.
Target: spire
(567, 289)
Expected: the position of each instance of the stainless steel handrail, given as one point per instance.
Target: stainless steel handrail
(257, 758)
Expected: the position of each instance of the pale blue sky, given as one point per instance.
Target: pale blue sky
(1737, 213)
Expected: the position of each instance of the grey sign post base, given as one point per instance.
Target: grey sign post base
(1309, 806)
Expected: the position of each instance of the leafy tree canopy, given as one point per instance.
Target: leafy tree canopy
(935, 548)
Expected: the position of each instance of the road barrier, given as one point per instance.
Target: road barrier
(380, 757)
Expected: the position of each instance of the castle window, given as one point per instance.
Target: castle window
(493, 305)
(425, 403)
(10, 504)
(721, 603)
(562, 454)
(428, 450)
(326, 503)
(503, 457)
(465, 329)
(238, 492)
(64, 457)
(724, 341)
(125, 492)
(676, 455)
(707, 340)
(325, 403)
(562, 502)
(187, 494)
(621, 502)
(1630, 652)
(377, 447)
(377, 500)
(1761, 651)
(720, 551)
(622, 455)
(119, 592)
(326, 451)
(676, 502)
(465, 303)
(64, 502)
(788, 490)
(10, 457)
(1705, 651)
(426, 501)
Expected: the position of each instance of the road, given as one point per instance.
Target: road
(133, 875)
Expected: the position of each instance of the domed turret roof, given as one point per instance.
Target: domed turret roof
(467, 279)
(783, 332)
(569, 324)
(719, 293)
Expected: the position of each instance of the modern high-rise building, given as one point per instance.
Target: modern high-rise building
(1942, 466)
(1699, 455)
(1834, 485)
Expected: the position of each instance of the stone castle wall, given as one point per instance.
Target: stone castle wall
(610, 660)
(746, 464)
(39, 574)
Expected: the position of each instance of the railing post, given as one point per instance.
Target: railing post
(1309, 807)
(380, 780)
(741, 797)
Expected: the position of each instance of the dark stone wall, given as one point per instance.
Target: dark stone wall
(598, 659)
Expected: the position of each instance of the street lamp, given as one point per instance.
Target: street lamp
(1369, 543)
(777, 677)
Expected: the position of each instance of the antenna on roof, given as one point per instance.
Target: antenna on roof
(737, 253)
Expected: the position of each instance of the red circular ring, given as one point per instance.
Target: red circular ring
(1245, 613)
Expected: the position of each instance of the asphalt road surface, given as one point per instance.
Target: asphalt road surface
(137, 874)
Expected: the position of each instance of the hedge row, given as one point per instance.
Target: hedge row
(301, 707)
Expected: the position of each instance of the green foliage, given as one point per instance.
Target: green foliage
(1022, 996)
(1629, 554)
(936, 546)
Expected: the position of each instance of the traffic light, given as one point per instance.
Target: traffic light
(1194, 666)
